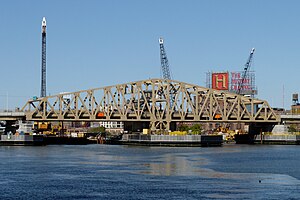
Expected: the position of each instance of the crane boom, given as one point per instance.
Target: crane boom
(164, 61)
(166, 71)
(246, 70)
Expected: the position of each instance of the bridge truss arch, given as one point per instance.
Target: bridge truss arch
(148, 101)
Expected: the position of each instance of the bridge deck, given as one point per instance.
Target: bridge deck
(11, 115)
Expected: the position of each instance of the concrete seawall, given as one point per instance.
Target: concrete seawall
(277, 139)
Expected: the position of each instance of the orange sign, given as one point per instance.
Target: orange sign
(218, 116)
(220, 81)
(100, 114)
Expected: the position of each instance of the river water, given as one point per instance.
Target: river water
(131, 172)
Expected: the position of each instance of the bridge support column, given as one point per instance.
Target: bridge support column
(162, 127)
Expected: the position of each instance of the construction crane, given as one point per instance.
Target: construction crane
(43, 73)
(166, 69)
(245, 72)
(164, 61)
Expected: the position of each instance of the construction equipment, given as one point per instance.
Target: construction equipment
(166, 70)
(42, 127)
(245, 73)
(43, 79)
(164, 61)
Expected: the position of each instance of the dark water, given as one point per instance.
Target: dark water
(122, 172)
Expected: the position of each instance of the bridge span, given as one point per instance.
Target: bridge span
(148, 101)
(12, 115)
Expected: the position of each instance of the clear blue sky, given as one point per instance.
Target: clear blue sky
(98, 43)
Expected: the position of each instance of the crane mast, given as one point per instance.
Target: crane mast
(245, 72)
(43, 72)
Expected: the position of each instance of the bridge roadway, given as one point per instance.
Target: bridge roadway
(12, 116)
(290, 119)
(20, 115)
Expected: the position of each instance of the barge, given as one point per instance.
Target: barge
(171, 140)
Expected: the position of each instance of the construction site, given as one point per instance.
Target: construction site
(226, 107)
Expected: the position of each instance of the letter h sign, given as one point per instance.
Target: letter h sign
(220, 81)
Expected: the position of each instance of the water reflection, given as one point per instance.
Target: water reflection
(167, 162)
(121, 172)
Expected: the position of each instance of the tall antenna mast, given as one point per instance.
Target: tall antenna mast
(43, 74)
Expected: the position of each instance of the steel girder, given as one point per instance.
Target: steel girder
(149, 100)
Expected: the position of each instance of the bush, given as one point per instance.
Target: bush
(99, 129)
(292, 128)
(196, 129)
(183, 128)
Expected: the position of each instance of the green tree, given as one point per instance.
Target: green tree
(99, 129)
(183, 127)
(292, 128)
(196, 129)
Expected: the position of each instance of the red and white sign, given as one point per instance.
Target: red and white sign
(220, 81)
(236, 79)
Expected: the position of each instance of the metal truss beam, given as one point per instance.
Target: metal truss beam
(148, 100)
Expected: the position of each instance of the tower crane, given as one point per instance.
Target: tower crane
(245, 72)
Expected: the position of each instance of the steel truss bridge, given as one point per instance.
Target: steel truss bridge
(149, 101)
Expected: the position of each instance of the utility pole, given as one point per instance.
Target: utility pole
(43, 74)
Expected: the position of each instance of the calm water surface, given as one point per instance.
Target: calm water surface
(127, 172)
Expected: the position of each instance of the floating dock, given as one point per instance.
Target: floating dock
(172, 140)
